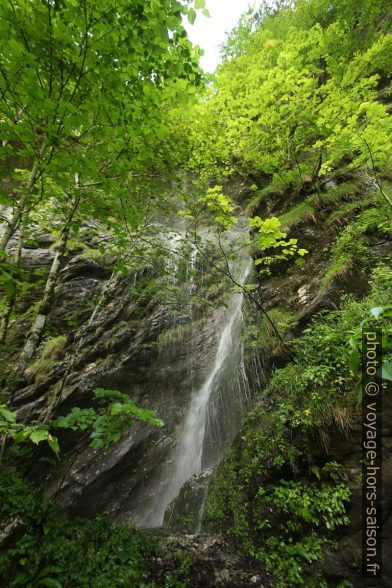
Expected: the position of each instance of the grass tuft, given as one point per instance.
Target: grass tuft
(53, 347)
(298, 214)
(38, 371)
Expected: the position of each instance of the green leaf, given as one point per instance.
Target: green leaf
(200, 4)
(39, 435)
(53, 444)
(191, 16)
(50, 583)
(7, 414)
(354, 362)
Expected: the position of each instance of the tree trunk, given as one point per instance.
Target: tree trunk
(102, 298)
(12, 224)
(38, 326)
(9, 305)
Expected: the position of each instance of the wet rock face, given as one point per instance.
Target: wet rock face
(184, 512)
(119, 350)
(122, 479)
(346, 448)
(160, 352)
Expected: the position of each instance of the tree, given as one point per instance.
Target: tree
(85, 89)
(73, 72)
(303, 59)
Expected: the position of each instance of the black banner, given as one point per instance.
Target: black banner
(371, 453)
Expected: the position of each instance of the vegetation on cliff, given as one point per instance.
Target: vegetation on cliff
(109, 130)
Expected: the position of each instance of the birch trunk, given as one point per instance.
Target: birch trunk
(9, 305)
(12, 223)
(38, 326)
(101, 299)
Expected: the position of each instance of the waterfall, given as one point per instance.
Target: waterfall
(228, 367)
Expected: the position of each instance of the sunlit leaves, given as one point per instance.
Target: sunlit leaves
(303, 84)
(271, 240)
(191, 16)
(220, 206)
(86, 87)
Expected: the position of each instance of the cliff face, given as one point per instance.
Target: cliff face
(119, 350)
(137, 344)
(159, 350)
(289, 440)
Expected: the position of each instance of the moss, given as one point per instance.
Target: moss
(302, 212)
(344, 213)
(260, 336)
(177, 335)
(38, 370)
(346, 191)
(269, 492)
(54, 347)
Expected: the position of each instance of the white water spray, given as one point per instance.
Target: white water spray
(189, 447)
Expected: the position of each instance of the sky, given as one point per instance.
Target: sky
(209, 33)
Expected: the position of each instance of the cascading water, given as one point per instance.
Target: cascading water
(184, 359)
(226, 382)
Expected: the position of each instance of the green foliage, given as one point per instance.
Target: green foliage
(281, 506)
(107, 425)
(309, 504)
(55, 550)
(352, 247)
(87, 138)
(297, 96)
(260, 338)
(219, 206)
(286, 526)
(238, 39)
(376, 316)
(20, 433)
(284, 559)
(179, 578)
(11, 276)
(270, 237)
(60, 107)
(110, 422)
(325, 351)
(217, 209)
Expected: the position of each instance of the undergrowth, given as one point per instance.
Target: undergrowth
(50, 548)
(55, 550)
(270, 492)
(301, 212)
(352, 248)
